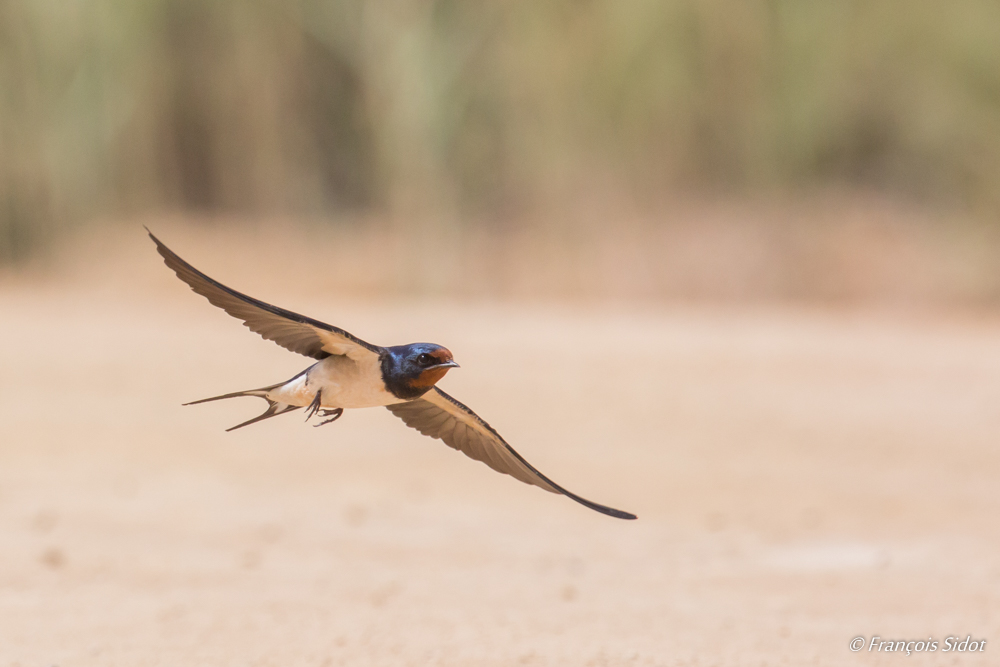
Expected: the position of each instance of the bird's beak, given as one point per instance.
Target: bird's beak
(449, 364)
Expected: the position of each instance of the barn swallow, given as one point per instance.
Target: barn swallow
(351, 373)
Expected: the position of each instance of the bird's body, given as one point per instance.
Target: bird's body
(341, 383)
(350, 373)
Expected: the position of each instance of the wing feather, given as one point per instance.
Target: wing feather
(292, 331)
(438, 415)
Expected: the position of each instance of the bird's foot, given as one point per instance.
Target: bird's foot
(314, 406)
(333, 415)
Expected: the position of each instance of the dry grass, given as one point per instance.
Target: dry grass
(485, 109)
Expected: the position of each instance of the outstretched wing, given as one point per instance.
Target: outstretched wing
(292, 331)
(440, 416)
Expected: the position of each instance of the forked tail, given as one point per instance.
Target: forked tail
(274, 408)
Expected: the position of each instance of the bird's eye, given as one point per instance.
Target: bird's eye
(425, 359)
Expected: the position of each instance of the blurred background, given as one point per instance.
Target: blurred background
(692, 148)
(732, 266)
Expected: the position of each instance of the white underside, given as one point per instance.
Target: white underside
(344, 383)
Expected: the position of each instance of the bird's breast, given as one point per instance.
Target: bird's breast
(346, 383)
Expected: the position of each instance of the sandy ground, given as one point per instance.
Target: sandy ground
(802, 477)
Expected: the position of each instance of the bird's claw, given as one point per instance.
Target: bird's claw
(314, 406)
(333, 415)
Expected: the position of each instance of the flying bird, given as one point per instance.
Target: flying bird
(351, 373)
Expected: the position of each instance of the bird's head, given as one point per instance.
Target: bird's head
(411, 370)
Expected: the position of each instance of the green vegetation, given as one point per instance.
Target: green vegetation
(113, 107)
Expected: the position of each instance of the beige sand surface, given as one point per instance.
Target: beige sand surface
(802, 477)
